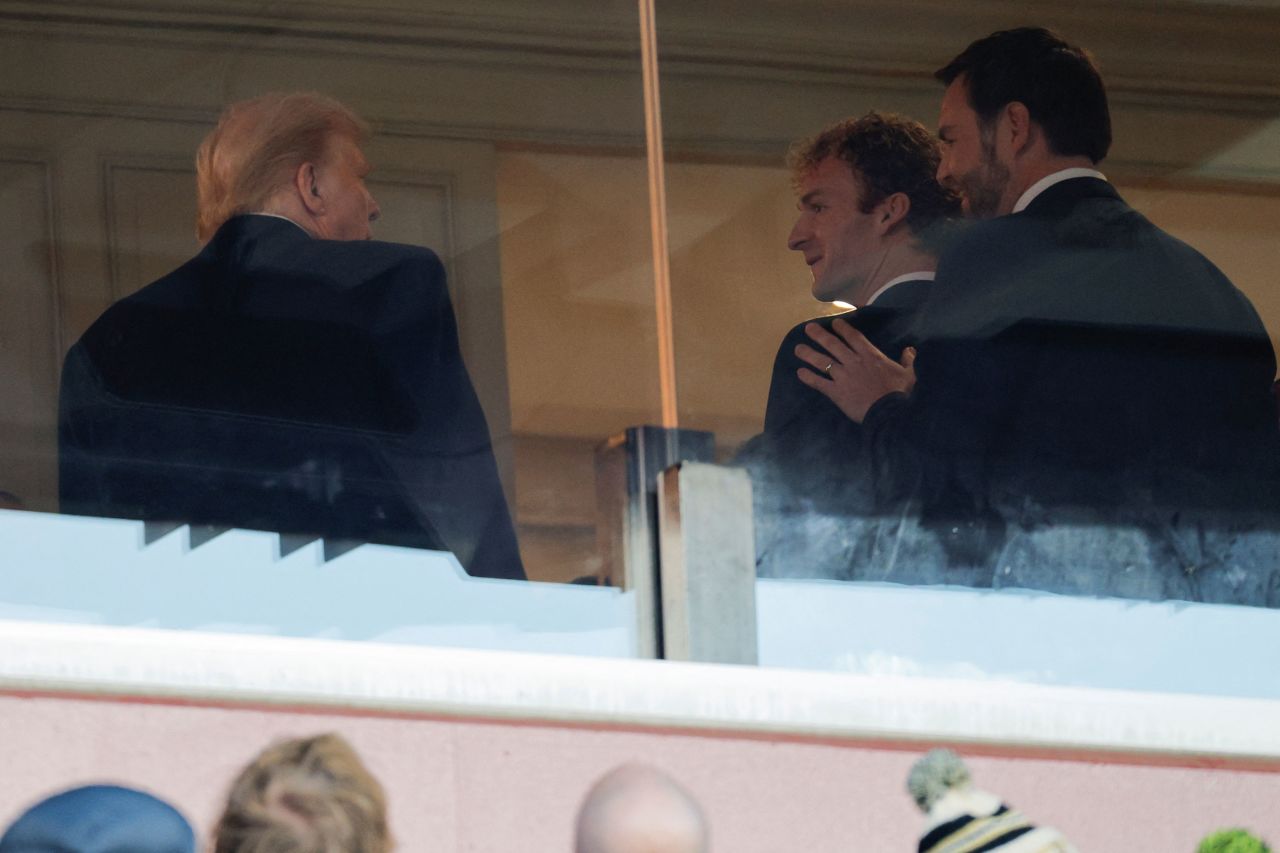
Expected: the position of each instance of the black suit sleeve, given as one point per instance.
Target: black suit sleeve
(936, 440)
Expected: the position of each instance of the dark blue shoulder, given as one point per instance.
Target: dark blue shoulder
(365, 260)
(797, 334)
(375, 255)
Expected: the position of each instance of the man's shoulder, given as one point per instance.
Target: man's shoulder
(261, 245)
(174, 290)
(999, 236)
(373, 249)
(903, 299)
(824, 321)
(887, 327)
(367, 259)
(797, 334)
(1010, 244)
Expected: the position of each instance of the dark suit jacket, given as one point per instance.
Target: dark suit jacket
(809, 447)
(886, 323)
(1076, 354)
(280, 382)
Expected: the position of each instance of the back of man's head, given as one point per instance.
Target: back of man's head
(100, 819)
(1057, 82)
(888, 154)
(639, 809)
(311, 795)
(256, 148)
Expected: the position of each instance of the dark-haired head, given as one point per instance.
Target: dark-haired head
(1057, 82)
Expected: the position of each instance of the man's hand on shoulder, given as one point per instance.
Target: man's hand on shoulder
(852, 373)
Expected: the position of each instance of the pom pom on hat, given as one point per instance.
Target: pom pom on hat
(962, 819)
(939, 771)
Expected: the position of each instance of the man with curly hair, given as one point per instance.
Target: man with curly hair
(870, 222)
(872, 217)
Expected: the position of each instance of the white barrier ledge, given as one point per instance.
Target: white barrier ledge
(192, 666)
(104, 571)
(1020, 635)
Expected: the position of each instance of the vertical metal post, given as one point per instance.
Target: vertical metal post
(658, 213)
(627, 470)
(708, 565)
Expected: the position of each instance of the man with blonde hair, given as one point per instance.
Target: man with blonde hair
(871, 218)
(635, 808)
(266, 148)
(296, 375)
(308, 795)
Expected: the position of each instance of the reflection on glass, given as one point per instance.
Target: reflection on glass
(511, 147)
(1089, 410)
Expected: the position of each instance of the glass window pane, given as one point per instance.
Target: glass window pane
(1080, 447)
(511, 145)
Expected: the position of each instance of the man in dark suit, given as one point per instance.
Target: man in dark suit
(871, 217)
(1076, 356)
(295, 375)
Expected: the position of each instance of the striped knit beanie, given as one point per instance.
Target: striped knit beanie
(963, 819)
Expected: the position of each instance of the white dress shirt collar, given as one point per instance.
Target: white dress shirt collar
(1055, 178)
(922, 275)
(278, 216)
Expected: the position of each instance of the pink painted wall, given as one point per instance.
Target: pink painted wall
(466, 785)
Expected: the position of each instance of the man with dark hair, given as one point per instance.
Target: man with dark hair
(1059, 88)
(296, 375)
(871, 217)
(1076, 355)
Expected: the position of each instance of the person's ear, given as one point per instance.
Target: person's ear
(892, 211)
(308, 188)
(1017, 126)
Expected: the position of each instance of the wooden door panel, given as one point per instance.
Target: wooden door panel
(28, 332)
(151, 214)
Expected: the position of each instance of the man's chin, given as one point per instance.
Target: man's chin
(982, 211)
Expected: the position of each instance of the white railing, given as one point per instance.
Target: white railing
(95, 571)
(882, 629)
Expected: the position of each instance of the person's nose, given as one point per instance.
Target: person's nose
(798, 237)
(944, 170)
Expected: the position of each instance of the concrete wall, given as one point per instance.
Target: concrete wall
(459, 784)
(488, 751)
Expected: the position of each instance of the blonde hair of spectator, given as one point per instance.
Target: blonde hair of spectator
(636, 808)
(257, 147)
(309, 795)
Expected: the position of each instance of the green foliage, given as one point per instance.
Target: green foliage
(1232, 841)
